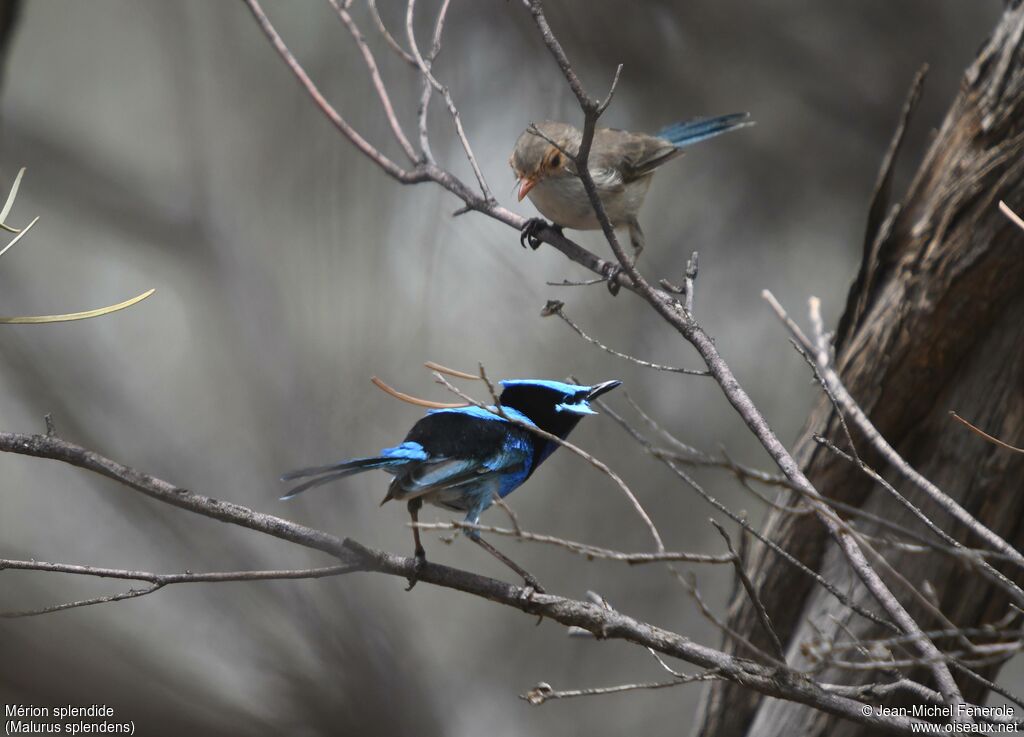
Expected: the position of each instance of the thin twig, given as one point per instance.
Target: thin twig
(556, 307)
(748, 586)
(543, 692)
(390, 167)
(770, 544)
(378, 83)
(425, 69)
(590, 552)
(889, 453)
(689, 582)
(979, 432)
(109, 599)
(158, 580)
(391, 41)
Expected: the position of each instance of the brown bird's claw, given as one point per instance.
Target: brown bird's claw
(529, 235)
(611, 275)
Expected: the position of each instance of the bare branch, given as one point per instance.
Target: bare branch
(770, 544)
(378, 83)
(837, 393)
(953, 546)
(865, 425)
(445, 93)
(542, 692)
(555, 307)
(391, 168)
(590, 552)
(165, 579)
(129, 594)
(158, 580)
(748, 586)
(391, 41)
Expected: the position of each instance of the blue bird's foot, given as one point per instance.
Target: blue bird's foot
(420, 564)
(529, 235)
(532, 586)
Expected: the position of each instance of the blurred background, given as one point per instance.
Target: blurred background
(168, 146)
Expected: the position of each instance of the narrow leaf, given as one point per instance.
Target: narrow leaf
(10, 202)
(18, 237)
(35, 319)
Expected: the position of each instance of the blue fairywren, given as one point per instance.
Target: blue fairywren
(462, 458)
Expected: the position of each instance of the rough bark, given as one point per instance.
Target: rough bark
(934, 322)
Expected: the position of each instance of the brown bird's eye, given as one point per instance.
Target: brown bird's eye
(556, 160)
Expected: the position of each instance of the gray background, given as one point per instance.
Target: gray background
(168, 146)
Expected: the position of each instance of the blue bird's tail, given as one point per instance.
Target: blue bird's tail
(389, 459)
(687, 132)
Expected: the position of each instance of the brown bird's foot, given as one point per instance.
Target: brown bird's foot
(611, 276)
(529, 235)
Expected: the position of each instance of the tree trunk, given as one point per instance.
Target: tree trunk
(934, 322)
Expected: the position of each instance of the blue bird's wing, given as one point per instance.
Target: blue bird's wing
(468, 449)
(511, 462)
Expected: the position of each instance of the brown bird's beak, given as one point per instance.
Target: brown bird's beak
(525, 185)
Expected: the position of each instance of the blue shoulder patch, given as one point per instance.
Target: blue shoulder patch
(558, 386)
(407, 450)
(485, 414)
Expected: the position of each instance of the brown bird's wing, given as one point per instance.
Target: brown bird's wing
(632, 155)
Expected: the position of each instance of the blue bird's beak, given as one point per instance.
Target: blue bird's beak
(602, 388)
(582, 406)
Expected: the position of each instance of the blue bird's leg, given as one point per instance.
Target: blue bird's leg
(472, 518)
(420, 554)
